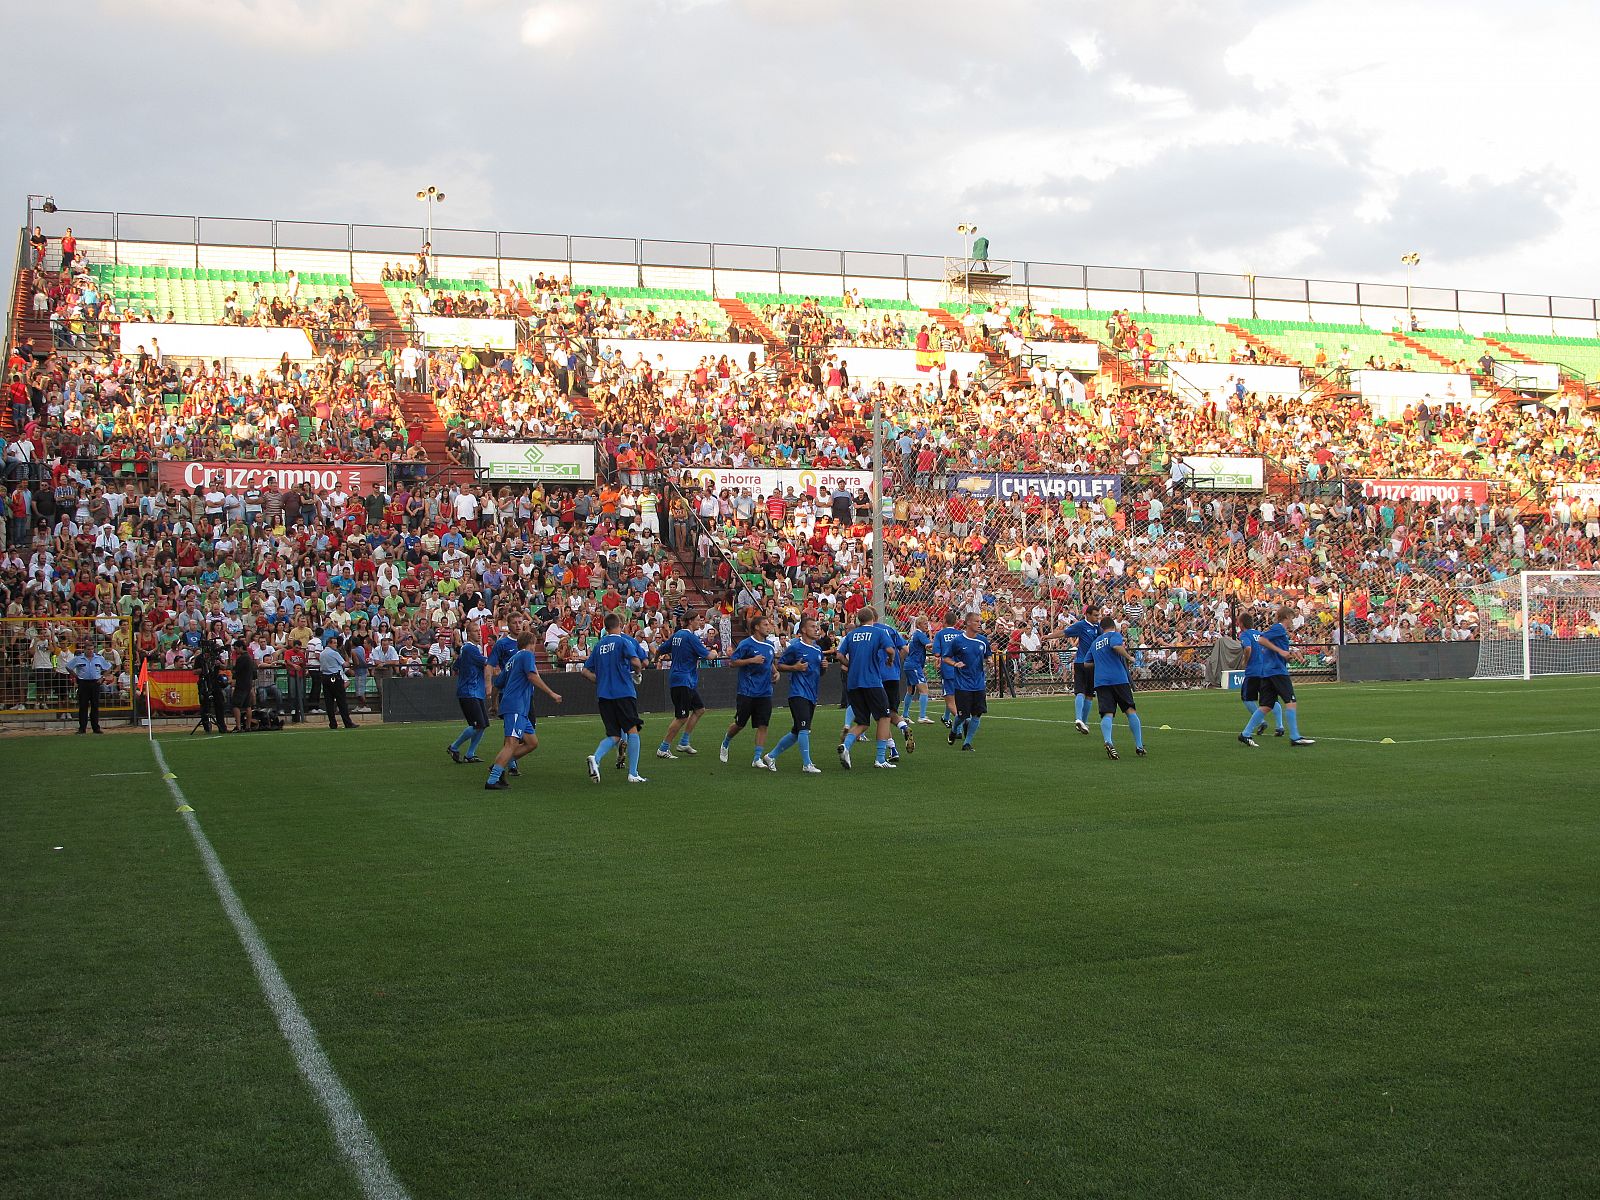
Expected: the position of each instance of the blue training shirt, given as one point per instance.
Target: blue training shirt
(517, 695)
(973, 655)
(686, 650)
(866, 649)
(890, 672)
(1253, 663)
(917, 650)
(1109, 667)
(755, 680)
(500, 653)
(1086, 634)
(803, 684)
(941, 647)
(469, 672)
(610, 663)
(1272, 664)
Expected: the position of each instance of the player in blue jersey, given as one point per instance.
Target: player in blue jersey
(1112, 685)
(916, 671)
(969, 651)
(893, 672)
(1255, 660)
(1276, 685)
(801, 660)
(753, 704)
(947, 633)
(1085, 630)
(867, 651)
(684, 650)
(472, 694)
(516, 685)
(611, 665)
(499, 655)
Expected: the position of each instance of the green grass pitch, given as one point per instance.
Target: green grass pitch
(1357, 969)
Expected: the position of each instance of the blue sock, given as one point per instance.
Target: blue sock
(606, 747)
(784, 743)
(461, 738)
(1292, 717)
(1250, 706)
(1105, 728)
(923, 705)
(472, 745)
(665, 745)
(495, 772)
(805, 746)
(850, 740)
(1277, 711)
(1256, 721)
(972, 729)
(726, 742)
(1080, 706)
(883, 749)
(633, 754)
(761, 752)
(1138, 730)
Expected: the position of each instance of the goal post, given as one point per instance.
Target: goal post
(1538, 623)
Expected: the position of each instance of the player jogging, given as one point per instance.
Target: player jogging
(611, 665)
(499, 655)
(947, 671)
(472, 695)
(970, 651)
(515, 685)
(753, 705)
(1250, 686)
(685, 649)
(893, 672)
(1112, 685)
(1276, 685)
(867, 649)
(1085, 629)
(801, 660)
(916, 671)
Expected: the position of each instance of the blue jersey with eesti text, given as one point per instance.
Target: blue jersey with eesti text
(941, 647)
(803, 684)
(612, 666)
(1274, 664)
(755, 680)
(1254, 658)
(686, 650)
(866, 648)
(972, 653)
(500, 653)
(1086, 634)
(469, 672)
(1109, 668)
(891, 667)
(517, 696)
(917, 650)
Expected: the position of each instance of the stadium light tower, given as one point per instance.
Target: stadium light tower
(1411, 259)
(430, 196)
(47, 205)
(966, 229)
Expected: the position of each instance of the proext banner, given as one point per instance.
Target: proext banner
(528, 462)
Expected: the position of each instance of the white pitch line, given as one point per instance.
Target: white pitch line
(1469, 737)
(351, 1133)
(116, 774)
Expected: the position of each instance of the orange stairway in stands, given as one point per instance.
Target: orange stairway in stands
(743, 316)
(376, 297)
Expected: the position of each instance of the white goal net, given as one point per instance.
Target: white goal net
(1539, 623)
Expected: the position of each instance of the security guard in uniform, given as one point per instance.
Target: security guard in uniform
(88, 669)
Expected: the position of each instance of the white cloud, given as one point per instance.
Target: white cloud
(557, 24)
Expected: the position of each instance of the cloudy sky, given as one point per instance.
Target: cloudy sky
(1279, 138)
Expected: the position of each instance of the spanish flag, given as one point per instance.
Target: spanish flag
(172, 691)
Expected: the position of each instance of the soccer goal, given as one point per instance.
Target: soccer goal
(1539, 623)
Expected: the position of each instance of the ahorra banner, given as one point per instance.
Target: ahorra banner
(359, 479)
(763, 481)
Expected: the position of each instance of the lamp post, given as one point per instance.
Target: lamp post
(1411, 259)
(430, 195)
(966, 229)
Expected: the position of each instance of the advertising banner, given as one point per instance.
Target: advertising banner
(359, 479)
(174, 691)
(473, 332)
(1452, 490)
(1073, 356)
(1226, 474)
(525, 462)
(216, 341)
(1204, 381)
(1436, 387)
(1004, 485)
(1577, 491)
(683, 356)
(1528, 376)
(763, 480)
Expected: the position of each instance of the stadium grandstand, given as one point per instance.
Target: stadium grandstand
(198, 426)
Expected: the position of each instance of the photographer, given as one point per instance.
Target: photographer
(207, 666)
(244, 685)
